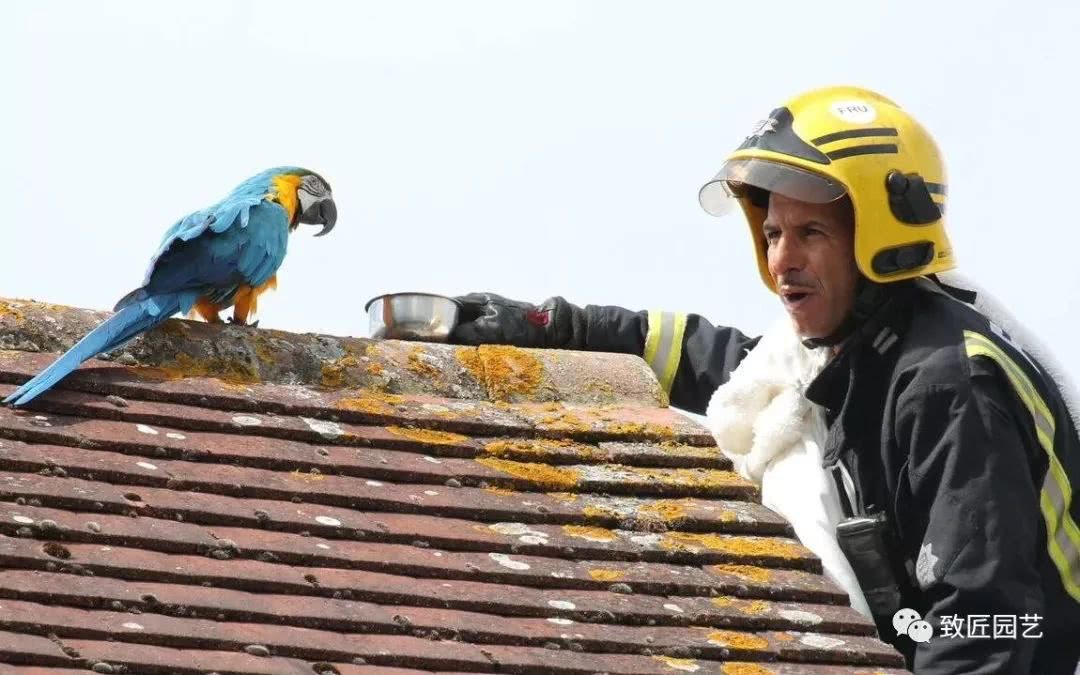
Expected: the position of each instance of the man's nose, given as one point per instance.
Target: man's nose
(785, 255)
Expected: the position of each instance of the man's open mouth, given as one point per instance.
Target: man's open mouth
(794, 298)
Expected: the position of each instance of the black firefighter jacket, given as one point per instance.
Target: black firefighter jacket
(960, 438)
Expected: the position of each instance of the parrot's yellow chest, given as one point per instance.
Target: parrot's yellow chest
(284, 193)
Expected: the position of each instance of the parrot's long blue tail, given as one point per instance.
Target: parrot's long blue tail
(127, 323)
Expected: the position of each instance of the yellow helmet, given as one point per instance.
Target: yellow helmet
(838, 141)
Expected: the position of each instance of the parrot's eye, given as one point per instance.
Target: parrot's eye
(314, 186)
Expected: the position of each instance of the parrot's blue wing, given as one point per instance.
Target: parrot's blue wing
(217, 218)
(232, 212)
(217, 263)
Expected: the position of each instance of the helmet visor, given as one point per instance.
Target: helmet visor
(719, 195)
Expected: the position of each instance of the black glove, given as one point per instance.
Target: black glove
(487, 318)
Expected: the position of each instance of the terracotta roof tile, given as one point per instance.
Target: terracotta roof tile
(237, 501)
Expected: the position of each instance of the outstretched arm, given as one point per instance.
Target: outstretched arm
(690, 356)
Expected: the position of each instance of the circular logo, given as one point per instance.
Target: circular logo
(854, 112)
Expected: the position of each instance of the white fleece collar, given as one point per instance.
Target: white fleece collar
(760, 412)
(775, 437)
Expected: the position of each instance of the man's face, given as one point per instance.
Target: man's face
(811, 256)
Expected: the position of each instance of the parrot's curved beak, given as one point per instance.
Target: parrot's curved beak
(322, 212)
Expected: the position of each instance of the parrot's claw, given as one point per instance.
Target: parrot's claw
(236, 322)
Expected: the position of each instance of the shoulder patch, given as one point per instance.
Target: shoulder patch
(924, 566)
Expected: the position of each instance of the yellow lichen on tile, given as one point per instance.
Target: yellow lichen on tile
(469, 358)
(626, 428)
(305, 477)
(737, 640)
(372, 402)
(9, 310)
(589, 533)
(745, 669)
(334, 373)
(666, 511)
(264, 351)
(753, 607)
(694, 542)
(375, 369)
(639, 429)
(565, 497)
(694, 478)
(428, 435)
(417, 365)
(544, 475)
(564, 420)
(540, 447)
(502, 492)
(594, 511)
(498, 448)
(599, 387)
(506, 372)
(684, 665)
(184, 366)
(606, 575)
(50, 307)
(364, 405)
(748, 572)
(691, 451)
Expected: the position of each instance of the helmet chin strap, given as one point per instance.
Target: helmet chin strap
(869, 296)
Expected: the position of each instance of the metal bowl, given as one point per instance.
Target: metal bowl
(412, 316)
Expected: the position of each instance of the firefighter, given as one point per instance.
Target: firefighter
(952, 446)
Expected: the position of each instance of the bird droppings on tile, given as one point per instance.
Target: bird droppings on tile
(324, 428)
(507, 562)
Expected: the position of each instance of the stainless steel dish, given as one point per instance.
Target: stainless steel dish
(424, 317)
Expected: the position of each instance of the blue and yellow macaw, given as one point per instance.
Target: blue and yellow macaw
(222, 256)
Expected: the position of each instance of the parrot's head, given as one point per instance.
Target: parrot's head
(306, 197)
(316, 202)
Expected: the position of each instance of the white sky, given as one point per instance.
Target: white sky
(528, 148)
